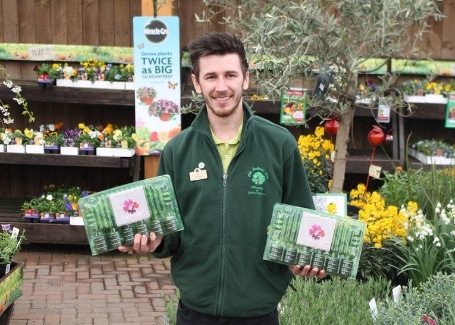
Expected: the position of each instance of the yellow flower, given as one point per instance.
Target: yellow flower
(117, 135)
(28, 133)
(382, 221)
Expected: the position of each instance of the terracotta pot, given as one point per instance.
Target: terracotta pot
(147, 100)
(165, 117)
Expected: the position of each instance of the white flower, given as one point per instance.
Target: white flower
(49, 197)
(8, 83)
(16, 89)
(20, 101)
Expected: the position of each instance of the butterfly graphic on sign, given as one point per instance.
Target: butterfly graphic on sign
(140, 46)
(171, 85)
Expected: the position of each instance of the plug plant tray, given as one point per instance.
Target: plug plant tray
(300, 236)
(112, 217)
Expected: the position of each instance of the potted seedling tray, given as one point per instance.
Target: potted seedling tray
(112, 217)
(300, 236)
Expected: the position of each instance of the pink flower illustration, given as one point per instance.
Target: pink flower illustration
(130, 206)
(316, 232)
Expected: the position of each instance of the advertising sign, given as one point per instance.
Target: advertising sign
(157, 82)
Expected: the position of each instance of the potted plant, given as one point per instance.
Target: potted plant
(46, 74)
(146, 94)
(91, 70)
(11, 277)
(53, 139)
(119, 72)
(88, 140)
(164, 109)
(69, 144)
(29, 211)
(124, 142)
(10, 244)
(16, 141)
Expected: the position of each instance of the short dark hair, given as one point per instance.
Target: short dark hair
(216, 43)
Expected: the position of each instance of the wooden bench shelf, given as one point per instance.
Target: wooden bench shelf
(64, 160)
(33, 93)
(35, 232)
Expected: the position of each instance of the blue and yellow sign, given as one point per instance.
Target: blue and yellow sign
(157, 82)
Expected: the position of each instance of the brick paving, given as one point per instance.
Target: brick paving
(65, 284)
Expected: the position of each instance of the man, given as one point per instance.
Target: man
(228, 170)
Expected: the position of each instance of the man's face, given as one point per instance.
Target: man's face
(221, 83)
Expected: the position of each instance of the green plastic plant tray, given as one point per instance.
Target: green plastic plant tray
(300, 236)
(112, 217)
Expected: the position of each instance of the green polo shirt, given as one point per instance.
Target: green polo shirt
(227, 149)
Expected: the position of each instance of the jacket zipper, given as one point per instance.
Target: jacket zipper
(222, 275)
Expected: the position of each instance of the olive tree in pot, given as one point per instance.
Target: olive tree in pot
(332, 40)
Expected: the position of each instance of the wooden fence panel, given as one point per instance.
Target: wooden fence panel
(107, 24)
(43, 22)
(10, 21)
(448, 32)
(74, 21)
(59, 21)
(90, 17)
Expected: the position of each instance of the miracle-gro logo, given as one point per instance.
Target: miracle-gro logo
(156, 31)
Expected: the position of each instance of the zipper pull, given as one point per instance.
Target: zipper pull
(225, 179)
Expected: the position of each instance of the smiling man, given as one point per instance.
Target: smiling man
(228, 170)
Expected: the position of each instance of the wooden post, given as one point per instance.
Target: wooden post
(163, 9)
(151, 162)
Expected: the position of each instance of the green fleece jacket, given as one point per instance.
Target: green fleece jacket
(217, 260)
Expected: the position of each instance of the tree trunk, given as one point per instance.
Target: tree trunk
(341, 149)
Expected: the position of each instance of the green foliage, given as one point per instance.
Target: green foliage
(194, 105)
(170, 307)
(378, 263)
(426, 187)
(429, 247)
(435, 298)
(9, 245)
(331, 301)
(401, 187)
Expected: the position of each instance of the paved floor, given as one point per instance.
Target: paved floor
(67, 285)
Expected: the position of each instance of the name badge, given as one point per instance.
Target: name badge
(198, 174)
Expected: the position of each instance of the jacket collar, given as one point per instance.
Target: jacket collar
(201, 122)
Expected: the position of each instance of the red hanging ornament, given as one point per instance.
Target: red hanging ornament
(331, 126)
(376, 136)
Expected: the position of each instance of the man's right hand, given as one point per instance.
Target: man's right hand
(142, 244)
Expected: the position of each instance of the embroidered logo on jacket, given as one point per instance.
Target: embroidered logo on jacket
(258, 177)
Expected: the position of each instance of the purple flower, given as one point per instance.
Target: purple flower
(6, 227)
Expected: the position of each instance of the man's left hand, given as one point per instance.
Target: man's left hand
(306, 271)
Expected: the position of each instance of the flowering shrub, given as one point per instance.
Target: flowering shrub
(383, 222)
(316, 152)
(5, 114)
